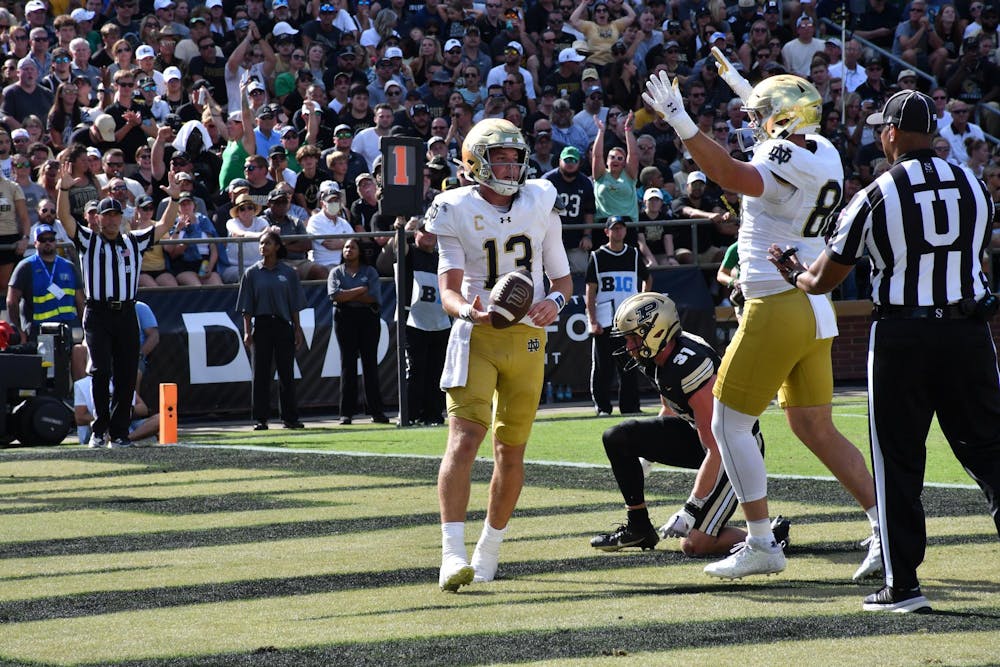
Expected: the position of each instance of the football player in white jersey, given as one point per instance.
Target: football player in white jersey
(493, 377)
(791, 185)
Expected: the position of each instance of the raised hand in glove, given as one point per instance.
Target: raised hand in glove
(679, 525)
(665, 96)
(733, 79)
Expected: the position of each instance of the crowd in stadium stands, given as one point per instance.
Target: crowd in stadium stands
(269, 110)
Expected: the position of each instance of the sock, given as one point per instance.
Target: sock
(487, 553)
(453, 541)
(491, 537)
(872, 513)
(759, 533)
(638, 517)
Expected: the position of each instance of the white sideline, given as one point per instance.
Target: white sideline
(562, 464)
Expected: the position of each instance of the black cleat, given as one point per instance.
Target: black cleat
(896, 600)
(627, 536)
(780, 527)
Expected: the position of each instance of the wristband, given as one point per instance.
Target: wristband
(793, 277)
(465, 312)
(558, 299)
(683, 126)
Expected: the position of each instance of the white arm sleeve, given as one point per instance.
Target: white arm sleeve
(450, 254)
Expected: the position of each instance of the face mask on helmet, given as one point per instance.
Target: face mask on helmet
(781, 106)
(478, 152)
(649, 317)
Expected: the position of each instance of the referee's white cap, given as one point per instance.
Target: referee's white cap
(908, 110)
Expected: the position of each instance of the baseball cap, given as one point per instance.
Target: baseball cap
(277, 151)
(265, 111)
(163, 4)
(833, 41)
(440, 76)
(515, 46)
(393, 52)
(651, 193)
(592, 89)
(276, 194)
(41, 228)
(589, 73)
(697, 176)
(283, 28)
(143, 200)
(570, 56)
(254, 86)
(34, 6)
(434, 140)
(90, 206)
(109, 205)
(343, 127)
(581, 46)
(287, 129)
(185, 196)
(391, 83)
(236, 115)
(906, 73)
(452, 44)
(716, 36)
(238, 183)
(145, 51)
(181, 157)
(171, 73)
(772, 6)
(671, 44)
(571, 153)
(329, 189)
(360, 178)
(241, 24)
(673, 25)
(278, 4)
(93, 151)
(614, 220)
(184, 176)
(805, 18)
(747, 3)
(419, 108)
(20, 133)
(909, 110)
(81, 14)
(549, 90)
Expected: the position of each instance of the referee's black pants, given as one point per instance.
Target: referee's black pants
(602, 374)
(273, 345)
(113, 342)
(425, 352)
(358, 331)
(919, 368)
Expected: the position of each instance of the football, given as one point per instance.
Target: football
(511, 298)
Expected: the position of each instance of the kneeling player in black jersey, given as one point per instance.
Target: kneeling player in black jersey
(683, 367)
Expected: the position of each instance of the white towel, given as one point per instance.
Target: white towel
(826, 317)
(456, 357)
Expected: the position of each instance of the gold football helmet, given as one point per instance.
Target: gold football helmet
(653, 318)
(488, 134)
(783, 105)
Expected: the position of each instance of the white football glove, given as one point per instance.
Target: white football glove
(666, 98)
(679, 525)
(733, 79)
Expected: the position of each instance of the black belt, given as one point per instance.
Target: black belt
(110, 305)
(951, 312)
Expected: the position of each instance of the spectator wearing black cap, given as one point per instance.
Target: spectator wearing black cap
(440, 85)
(875, 89)
(358, 114)
(349, 61)
(321, 28)
(277, 214)
(111, 263)
(277, 166)
(418, 119)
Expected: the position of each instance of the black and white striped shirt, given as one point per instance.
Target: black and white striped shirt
(925, 224)
(111, 268)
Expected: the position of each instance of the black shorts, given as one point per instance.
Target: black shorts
(178, 266)
(154, 274)
(9, 256)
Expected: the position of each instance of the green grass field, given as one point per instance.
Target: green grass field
(226, 556)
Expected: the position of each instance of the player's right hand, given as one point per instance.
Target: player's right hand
(679, 525)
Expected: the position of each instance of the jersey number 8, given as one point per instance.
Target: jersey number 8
(821, 216)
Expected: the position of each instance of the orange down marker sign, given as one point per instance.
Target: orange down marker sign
(168, 414)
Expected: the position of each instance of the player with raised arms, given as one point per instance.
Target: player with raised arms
(792, 185)
(493, 377)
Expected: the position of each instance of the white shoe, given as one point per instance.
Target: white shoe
(97, 441)
(746, 560)
(872, 564)
(485, 565)
(455, 574)
(647, 466)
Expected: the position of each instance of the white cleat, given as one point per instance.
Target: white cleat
(872, 564)
(647, 467)
(485, 565)
(746, 560)
(454, 575)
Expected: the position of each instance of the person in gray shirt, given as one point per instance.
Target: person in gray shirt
(270, 299)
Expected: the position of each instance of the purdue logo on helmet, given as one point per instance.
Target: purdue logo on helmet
(653, 318)
(783, 105)
(495, 133)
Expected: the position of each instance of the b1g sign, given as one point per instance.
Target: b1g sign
(403, 161)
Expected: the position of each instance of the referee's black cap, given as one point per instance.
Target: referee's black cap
(908, 110)
(109, 205)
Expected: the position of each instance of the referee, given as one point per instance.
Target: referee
(925, 224)
(111, 263)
